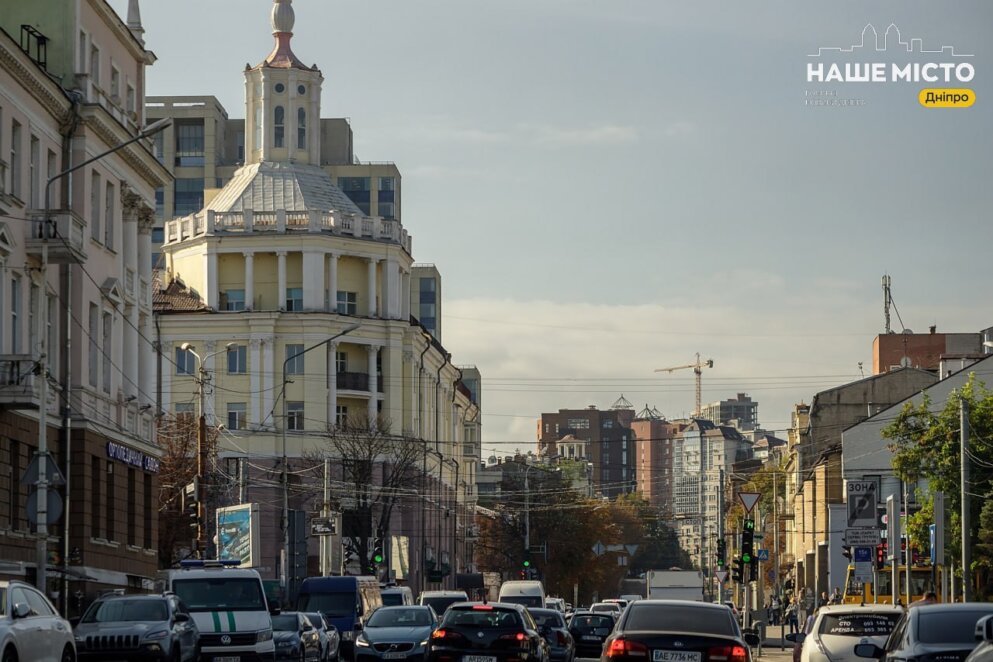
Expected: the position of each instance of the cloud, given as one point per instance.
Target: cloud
(605, 134)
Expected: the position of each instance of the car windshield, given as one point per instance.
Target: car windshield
(550, 619)
(221, 593)
(392, 599)
(332, 604)
(441, 603)
(316, 620)
(484, 618)
(113, 611)
(591, 622)
(950, 627)
(526, 600)
(858, 625)
(680, 618)
(285, 623)
(398, 618)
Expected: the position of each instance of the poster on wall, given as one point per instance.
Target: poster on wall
(238, 533)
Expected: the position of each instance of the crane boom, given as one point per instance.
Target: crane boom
(698, 372)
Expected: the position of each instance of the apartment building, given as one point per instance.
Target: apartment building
(71, 89)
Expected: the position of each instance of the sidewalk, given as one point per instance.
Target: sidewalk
(775, 648)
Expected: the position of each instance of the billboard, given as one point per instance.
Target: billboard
(238, 533)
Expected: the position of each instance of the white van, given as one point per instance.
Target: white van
(229, 606)
(530, 593)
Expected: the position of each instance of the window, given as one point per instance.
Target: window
(240, 139)
(234, 300)
(257, 143)
(188, 197)
(184, 362)
(278, 122)
(348, 303)
(294, 416)
(129, 99)
(108, 347)
(579, 424)
(132, 509)
(94, 64)
(357, 189)
(96, 191)
(52, 168)
(34, 172)
(110, 501)
(147, 519)
(387, 184)
(301, 128)
(108, 234)
(294, 359)
(15, 485)
(189, 143)
(96, 478)
(184, 411)
(237, 363)
(341, 362)
(32, 306)
(294, 299)
(81, 54)
(340, 415)
(15, 159)
(53, 316)
(237, 419)
(158, 146)
(607, 423)
(93, 366)
(159, 208)
(15, 315)
(115, 84)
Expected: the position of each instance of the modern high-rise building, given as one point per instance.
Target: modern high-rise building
(655, 440)
(72, 88)
(740, 411)
(425, 297)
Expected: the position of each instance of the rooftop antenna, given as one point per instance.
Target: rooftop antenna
(886, 302)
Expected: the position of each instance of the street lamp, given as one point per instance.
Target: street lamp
(286, 489)
(46, 231)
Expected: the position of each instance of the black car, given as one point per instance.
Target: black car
(589, 631)
(328, 635)
(494, 632)
(551, 625)
(677, 631)
(295, 638)
(396, 633)
(137, 627)
(936, 632)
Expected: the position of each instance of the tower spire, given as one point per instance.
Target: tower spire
(134, 21)
(282, 19)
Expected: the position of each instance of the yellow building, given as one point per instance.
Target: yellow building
(277, 262)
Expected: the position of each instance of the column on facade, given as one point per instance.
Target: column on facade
(249, 280)
(146, 360)
(404, 294)
(281, 269)
(210, 278)
(373, 352)
(332, 372)
(268, 375)
(313, 280)
(371, 286)
(388, 310)
(332, 298)
(257, 414)
(129, 216)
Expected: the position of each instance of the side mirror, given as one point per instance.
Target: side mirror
(73, 622)
(22, 610)
(868, 650)
(181, 618)
(358, 627)
(984, 628)
(796, 637)
(752, 639)
(274, 610)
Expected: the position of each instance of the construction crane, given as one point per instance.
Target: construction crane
(698, 371)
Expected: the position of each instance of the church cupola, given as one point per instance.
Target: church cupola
(283, 100)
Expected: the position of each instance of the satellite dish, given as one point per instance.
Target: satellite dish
(908, 332)
(905, 362)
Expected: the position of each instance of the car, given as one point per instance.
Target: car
(590, 630)
(30, 628)
(555, 603)
(493, 632)
(623, 602)
(295, 637)
(551, 625)
(122, 627)
(677, 630)
(610, 607)
(945, 632)
(394, 596)
(730, 605)
(440, 600)
(396, 633)
(984, 635)
(837, 628)
(328, 635)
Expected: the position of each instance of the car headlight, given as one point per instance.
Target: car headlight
(79, 638)
(423, 643)
(158, 634)
(362, 642)
(263, 635)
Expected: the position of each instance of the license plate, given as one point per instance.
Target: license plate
(478, 658)
(601, 631)
(590, 637)
(227, 659)
(675, 656)
(394, 656)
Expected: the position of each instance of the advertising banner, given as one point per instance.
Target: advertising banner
(238, 533)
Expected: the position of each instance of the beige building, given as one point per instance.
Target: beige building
(71, 88)
(281, 260)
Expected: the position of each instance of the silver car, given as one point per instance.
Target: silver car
(30, 628)
(839, 628)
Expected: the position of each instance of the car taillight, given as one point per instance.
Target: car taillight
(516, 636)
(442, 633)
(563, 640)
(622, 647)
(727, 654)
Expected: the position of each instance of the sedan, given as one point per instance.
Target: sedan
(837, 629)
(396, 633)
(589, 631)
(936, 632)
(30, 628)
(494, 632)
(327, 634)
(552, 627)
(295, 638)
(677, 631)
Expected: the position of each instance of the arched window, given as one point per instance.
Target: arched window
(278, 121)
(301, 128)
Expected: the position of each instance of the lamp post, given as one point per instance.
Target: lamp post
(285, 477)
(201, 380)
(46, 231)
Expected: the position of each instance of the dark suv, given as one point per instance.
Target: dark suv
(137, 627)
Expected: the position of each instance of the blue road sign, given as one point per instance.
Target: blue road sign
(931, 535)
(863, 554)
(763, 555)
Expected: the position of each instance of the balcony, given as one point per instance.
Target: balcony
(356, 381)
(64, 235)
(18, 383)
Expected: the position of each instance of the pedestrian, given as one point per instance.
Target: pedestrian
(836, 596)
(929, 598)
(808, 627)
(823, 600)
(777, 607)
(791, 616)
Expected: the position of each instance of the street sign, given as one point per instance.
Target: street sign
(861, 504)
(748, 500)
(862, 554)
(863, 572)
(322, 526)
(721, 575)
(763, 555)
(892, 528)
(599, 549)
(862, 537)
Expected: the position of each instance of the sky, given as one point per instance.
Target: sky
(609, 188)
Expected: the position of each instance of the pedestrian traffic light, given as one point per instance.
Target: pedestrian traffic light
(748, 542)
(737, 568)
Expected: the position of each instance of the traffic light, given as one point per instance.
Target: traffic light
(748, 542)
(737, 570)
(721, 554)
(881, 549)
(378, 555)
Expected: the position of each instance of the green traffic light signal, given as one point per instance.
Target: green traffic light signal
(746, 558)
(749, 525)
(527, 564)
(377, 558)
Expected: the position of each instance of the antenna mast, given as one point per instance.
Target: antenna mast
(887, 298)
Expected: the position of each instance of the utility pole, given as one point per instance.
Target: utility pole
(325, 513)
(202, 466)
(966, 506)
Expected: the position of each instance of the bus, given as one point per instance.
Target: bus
(922, 579)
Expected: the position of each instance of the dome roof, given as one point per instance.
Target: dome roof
(272, 186)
